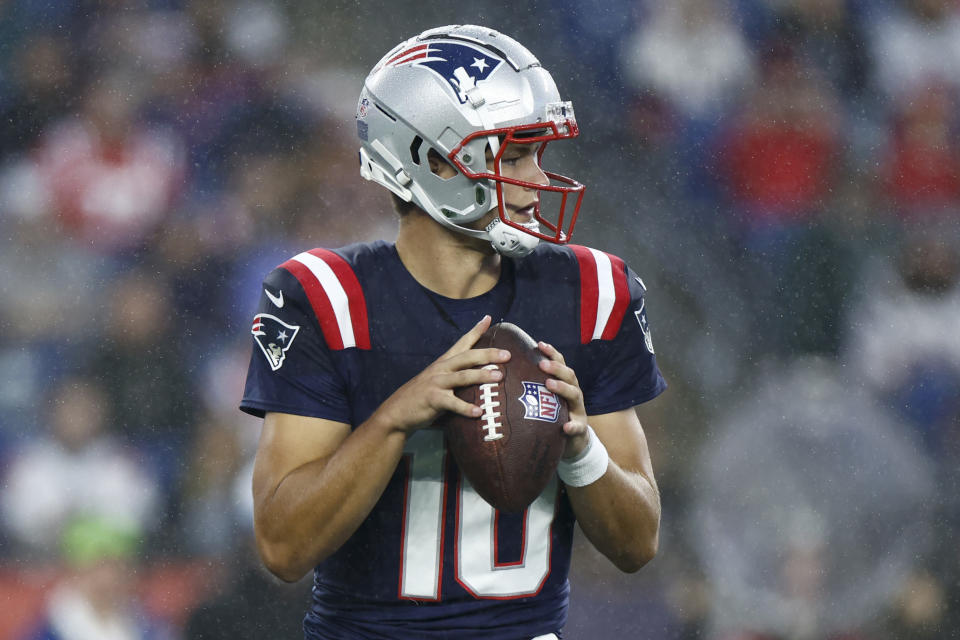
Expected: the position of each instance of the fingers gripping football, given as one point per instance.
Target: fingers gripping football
(564, 381)
(459, 371)
(565, 384)
(429, 394)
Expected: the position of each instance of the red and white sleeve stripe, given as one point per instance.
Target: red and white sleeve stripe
(604, 294)
(335, 295)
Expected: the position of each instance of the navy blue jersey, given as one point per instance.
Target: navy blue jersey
(337, 332)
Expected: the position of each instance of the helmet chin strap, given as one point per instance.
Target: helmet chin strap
(511, 242)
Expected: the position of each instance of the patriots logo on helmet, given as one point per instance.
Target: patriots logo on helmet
(274, 337)
(461, 65)
(539, 403)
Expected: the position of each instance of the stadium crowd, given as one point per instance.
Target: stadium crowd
(785, 174)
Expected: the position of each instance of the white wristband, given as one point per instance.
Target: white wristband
(588, 466)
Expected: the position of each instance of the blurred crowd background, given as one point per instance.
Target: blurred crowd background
(784, 174)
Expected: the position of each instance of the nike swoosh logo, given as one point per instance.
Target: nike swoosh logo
(277, 300)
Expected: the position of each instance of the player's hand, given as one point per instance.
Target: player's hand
(429, 394)
(564, 383)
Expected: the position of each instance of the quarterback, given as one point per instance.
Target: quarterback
(357, 352)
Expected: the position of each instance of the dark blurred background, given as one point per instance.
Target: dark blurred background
(784, 174)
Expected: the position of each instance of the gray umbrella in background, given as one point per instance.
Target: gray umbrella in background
(812, 506)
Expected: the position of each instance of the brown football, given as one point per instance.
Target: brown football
(511, 451)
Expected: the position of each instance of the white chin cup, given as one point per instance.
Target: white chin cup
(511, 242)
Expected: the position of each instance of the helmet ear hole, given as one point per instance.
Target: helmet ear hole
(439, 165)
(415, 149)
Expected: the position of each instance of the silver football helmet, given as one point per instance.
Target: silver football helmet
(468, 93)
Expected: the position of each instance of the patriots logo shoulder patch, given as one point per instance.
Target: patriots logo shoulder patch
(274, 337)
(460, 65)
(539, 403)
(641, 316)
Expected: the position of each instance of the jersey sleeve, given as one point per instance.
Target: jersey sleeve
(292, 369)
(622, 371)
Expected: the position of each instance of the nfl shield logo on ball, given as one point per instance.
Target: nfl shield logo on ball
(539, 403)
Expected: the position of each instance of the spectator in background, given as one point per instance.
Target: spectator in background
(690, 53)
(194, 255)
(216, 490)
(777, 160)
(47, 312)
(96, 599)
(903, 338)
(686, 63)
(904, 347)
(43, 84)
(111, 178)
(76, 469)
(827, 34)
(915, 43)
(921, 167)
(145, 360)
(777, 155)
(595, 29)
(812, 509)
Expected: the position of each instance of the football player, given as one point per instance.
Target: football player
(357, 352)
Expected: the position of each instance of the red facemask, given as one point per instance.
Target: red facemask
(562, 127)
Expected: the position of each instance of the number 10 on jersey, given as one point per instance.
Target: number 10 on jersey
(475, 556)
